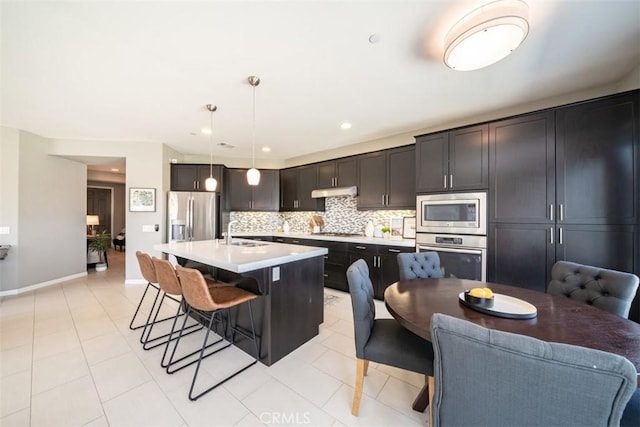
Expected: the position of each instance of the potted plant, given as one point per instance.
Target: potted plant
(101, 243)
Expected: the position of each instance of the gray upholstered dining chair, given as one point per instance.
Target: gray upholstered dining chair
(608, 290)
(382, 341)
(415, 265)
(486, 377)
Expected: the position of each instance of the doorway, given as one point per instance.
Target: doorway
(99, 203)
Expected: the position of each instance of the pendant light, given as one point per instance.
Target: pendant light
(253, 174)
(210, 184)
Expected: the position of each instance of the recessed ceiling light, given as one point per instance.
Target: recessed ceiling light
(486, 35)
(206, 131)
(115, 170)
(345, 125)
(266, 149)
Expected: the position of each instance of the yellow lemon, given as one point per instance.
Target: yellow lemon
(488, 293)
(477, 292)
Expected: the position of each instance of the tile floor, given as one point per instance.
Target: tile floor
(68, 358)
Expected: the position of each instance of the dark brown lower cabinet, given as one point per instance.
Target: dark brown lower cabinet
(335, 262)
(520, 255)
(382, 261)
(523, 254)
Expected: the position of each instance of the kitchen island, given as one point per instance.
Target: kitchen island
(288, 280)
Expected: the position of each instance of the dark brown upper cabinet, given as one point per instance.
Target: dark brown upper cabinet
(337, 173)
(597, 152)
(240, 196)
(522, 183)
(191, 177)
(296, 185)
(455, 160)
(386, 179)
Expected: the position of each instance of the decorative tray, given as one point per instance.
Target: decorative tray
(504, 306)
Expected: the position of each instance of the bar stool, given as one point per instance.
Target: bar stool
(206, 302)
(168, 280)
(170, 289)
(149, 273)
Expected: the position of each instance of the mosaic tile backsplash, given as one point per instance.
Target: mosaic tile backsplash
(341, 216)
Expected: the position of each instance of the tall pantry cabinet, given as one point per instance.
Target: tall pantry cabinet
(563, 185)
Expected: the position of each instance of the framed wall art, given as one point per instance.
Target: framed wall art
(142, 199)
(409, 228)
(396, 225)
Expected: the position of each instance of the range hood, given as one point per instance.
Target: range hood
(335, 191)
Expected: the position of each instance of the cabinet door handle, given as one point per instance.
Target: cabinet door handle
(326, 257)
(325, 275)
(295, 241)
(387, 200)
(451, 181)
(383, 200)
(374, 260)
(551, 212)
(361, 247)
(551, 235)
(445, 181)
(560, 240)
(397, 251)
(561, 212)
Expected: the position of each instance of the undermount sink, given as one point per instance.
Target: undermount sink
(248, 244)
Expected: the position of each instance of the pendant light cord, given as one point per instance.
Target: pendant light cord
(253, 132)
(211, 148)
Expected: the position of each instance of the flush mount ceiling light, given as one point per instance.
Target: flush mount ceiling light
(210, 184)
(486, 35)
(253, 174)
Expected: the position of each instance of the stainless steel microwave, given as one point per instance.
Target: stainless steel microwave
(460, 213)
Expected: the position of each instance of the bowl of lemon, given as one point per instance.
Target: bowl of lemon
(482, 297)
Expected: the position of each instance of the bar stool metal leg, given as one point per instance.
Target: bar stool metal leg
(255, 343)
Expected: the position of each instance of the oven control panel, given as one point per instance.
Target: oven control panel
(449, 240)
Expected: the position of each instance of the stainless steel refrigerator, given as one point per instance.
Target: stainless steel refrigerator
(192, 216)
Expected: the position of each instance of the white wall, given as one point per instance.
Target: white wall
(9, 143)
(147, 167)
(628, 83)
(44, 210)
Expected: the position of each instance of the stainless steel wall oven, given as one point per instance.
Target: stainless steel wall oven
(455, 226)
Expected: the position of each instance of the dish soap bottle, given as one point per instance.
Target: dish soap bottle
(368, 230)
(285, 227)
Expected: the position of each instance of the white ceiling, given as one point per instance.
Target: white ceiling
(143, 71)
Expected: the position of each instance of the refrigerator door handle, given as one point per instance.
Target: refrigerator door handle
(190, 219)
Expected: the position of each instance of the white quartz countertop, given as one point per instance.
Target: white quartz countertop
(350, 239)
(240, 259)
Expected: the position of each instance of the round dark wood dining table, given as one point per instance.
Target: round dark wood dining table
(559, 319)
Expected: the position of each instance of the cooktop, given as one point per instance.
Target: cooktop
(335, 234)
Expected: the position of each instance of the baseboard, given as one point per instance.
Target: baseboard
(41, 285)
(135, 282)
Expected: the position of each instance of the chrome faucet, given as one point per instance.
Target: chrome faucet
(229, 230)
